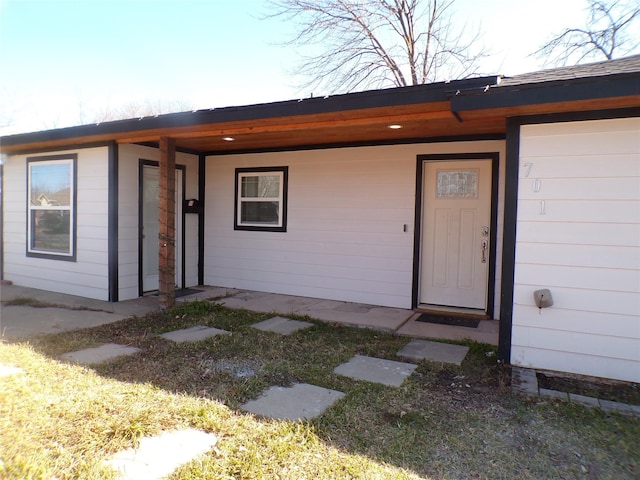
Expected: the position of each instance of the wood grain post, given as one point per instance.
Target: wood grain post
(167, 227)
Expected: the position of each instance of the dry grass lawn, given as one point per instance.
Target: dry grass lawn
(61, 421)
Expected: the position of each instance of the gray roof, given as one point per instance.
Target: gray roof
(599, 69)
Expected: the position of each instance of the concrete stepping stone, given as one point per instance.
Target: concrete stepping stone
(293, 403)
(193, 334)
(100, 354)
(157, 457)
(434, 351)
(377, 370)
(6, 370)
(284, 326)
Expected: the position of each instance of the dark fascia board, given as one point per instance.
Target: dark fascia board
(389, 97)
(589, 88)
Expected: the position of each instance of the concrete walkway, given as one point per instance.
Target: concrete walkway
(79, 312)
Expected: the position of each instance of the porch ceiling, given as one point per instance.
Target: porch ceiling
(353, 127)
(204, 131)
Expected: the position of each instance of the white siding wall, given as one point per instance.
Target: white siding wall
(585, 248)
(88, 275)
(346, 212)
(128, 163)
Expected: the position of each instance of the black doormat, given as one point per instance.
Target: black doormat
(181, 292)
(453, 320)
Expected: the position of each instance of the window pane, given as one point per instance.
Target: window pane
(50, 184)
(266, 186)
(260, 212)
(50, 230)
(457, 184)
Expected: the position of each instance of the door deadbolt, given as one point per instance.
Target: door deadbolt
(484, 245)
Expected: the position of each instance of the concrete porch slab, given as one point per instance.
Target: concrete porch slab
(22, 321)
(63, 313)
(381, 318)
(434, 351)
(268, 302)
(157, 457)
(209, 293)
(377, 370)
(281, 325)
(100, 354)
(301, 401)
(193, 334)
(487, 331)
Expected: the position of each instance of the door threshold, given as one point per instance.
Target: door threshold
(461, 311)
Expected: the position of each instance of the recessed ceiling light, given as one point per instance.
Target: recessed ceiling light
(228, 139)
(395, 126)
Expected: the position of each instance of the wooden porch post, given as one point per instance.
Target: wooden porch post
(167, 227)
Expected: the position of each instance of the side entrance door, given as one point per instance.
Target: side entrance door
(150, 227)
(456, 218)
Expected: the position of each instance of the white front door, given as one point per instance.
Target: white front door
(150, 227)
(456, 217)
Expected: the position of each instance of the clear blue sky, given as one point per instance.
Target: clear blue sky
(63, 60)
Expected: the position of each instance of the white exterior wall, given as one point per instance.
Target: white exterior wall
(345, 236)
(88, 275)
(585, 248)
(128, 181)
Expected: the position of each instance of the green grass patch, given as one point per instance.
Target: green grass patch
(61, 420)
(23, 301)
(34, 303)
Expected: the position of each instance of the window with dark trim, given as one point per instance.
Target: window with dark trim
(261, 199)
(51, 207)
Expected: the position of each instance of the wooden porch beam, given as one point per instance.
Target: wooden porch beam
(167, 227)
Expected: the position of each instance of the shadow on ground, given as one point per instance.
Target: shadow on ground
(443, 421)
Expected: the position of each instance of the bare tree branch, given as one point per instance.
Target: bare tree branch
(607, 34)
(138, 109)
(359, 44)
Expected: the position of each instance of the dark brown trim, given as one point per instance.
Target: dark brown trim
(587, 88)
(202, 168)
(495, 167)
(285, 201)
(112, 223)
(509, 240)
(493, 234)
(417, 234)
(74, 204)
(180, 205)
(2, 187)
(182, 213)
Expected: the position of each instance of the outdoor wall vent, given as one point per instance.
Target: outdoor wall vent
(543, 298)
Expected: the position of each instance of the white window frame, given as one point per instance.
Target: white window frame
(282, 173)
(32, 251)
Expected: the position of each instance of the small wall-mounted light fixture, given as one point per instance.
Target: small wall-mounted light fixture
(228, 139)
(395, 126)
(543, 298)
